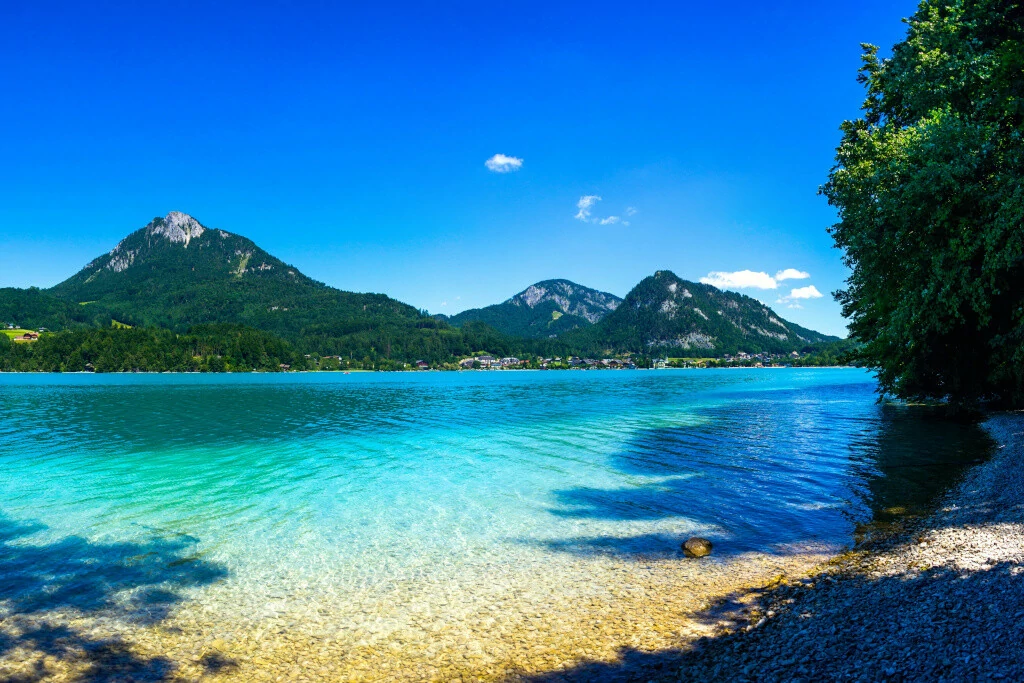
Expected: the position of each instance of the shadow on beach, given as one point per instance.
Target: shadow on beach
(59, 600)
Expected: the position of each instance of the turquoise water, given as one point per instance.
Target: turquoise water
(259, 495)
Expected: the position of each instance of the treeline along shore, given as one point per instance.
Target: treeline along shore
(238, 348)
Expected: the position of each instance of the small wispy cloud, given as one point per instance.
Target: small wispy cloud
(740, 279)
(584, 205)
(501, 163)
(444, 303)
(584, 211)
(630, 211)
(791, 274)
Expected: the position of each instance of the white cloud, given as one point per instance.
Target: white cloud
(444, 303)
(585, 204)
(741, 279)
(501, 163)
(794, 306)
(585, 208)
(791, 274)
(808, 292)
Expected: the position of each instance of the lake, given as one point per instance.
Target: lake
(415, 525)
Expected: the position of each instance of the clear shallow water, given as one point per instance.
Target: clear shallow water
(257, 496)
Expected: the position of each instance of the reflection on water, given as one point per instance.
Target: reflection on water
(918, 454)
(366, 506)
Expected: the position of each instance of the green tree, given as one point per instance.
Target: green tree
(928, 187)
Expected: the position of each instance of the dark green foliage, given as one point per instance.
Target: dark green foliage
(665, 315)
(32, 308)
(207, 348)
(928, 185)
(841, 352)
(543, 320)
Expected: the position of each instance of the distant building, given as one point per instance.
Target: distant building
(422, 365)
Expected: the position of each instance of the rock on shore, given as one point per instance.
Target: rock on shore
(697, 547)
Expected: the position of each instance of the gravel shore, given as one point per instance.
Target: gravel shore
(942, 600)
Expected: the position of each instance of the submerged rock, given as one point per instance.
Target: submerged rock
(697, 547)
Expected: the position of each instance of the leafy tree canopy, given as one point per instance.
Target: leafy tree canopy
(928, 186)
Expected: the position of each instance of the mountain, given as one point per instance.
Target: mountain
(665, 314)
(179, 275)
(545, 309)
(175, 273)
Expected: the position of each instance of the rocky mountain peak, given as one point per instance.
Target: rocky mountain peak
(176, 227)
(570, 298)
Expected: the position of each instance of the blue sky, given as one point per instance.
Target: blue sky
(351, 140)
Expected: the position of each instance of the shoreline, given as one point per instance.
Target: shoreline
(938, 599)
(347, 372)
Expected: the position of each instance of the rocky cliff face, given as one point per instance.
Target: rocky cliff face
(178, 227)
(571, 298)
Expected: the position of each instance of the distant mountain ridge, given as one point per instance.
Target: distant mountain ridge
(177, 274)
(545, 309)
(665, 314)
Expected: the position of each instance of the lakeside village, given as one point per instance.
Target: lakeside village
(626, 361)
